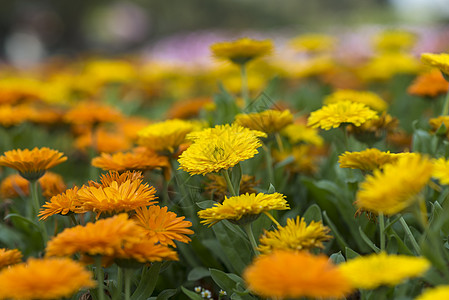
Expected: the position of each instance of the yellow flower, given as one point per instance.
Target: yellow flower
(117, 197)
(104, 237)
(393, 189)
(297, 133)
(110, 71)
(371, 271)
(50, 278)
(288, 274)
(241, 51)
(441, 170)
(436, 123)
(394, 41)
(162, 226)
(296, 235)
(305, 158)
(32, 164)
(64, 203)
(343, 112)
(313, 42)
(440, 292)
(366, 160)
(440, 61)
(9, 257)
(219, 148)
(166, 135)
(243, 209)
(268, 121)
(386, 65)
(370, 99)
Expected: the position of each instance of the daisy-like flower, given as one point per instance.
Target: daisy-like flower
(439, 292)
(14, 115)
(436, 123)
(166, 135)
(92, 113)
(376, 128)
(268, 121)
(32, 164)
(394, 40)
(313, 43)
(219, 148)
(342, 112)
(243, 209)
(117, 197)
(440, 61)
(371, 271)
(64, 203)
(105, 237)
(241, 51)
(9, 257)
(50, 278)
(15, 185)
(296, 235)
(144, 251)
(139, 159)
(103, 141)
(162, 226)
(104, 71)
(52, 184)
(441, 170)
(300, 133)
(394, 188)
(370, 99)
(430, 84)
(276, 276)
(218, 188)
(107, 179)
(367, 160)
(187, 109)
(305, 158)
(386, 65)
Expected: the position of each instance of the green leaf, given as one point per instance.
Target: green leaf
(366, 239)
(22, 218)
(147, 282)
(191, 294)
(341, 242)
(271, 189)
(198, 273)
(236, 176)
(337, 258)
(313, 213)
(206, 204)
(224, 281)
(166, 294)
(350, 254)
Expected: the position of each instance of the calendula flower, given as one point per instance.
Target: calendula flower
(110, 71)
(343, 112)
(46, 115)
(218, 188)
(440, 61)
(103, 141)
(268, 121)
(304, 158)
(92, 113)
(300, 133)
(367, 160)
(162, 226)
(117, 197)
(394, 188)
(64, 203)
(371, 271)
(139, 159)
(187, 109)
(32, 164)
(386, 65)
(144, 251)
(276, 276)
(50, 278)
(436, 123)
(394, 41)
(166, 135)
(130, 127)
(438, 292)
(441, 170)
(113, 176)
(13, 115)
(219, 148)
(15, 185)
(52, 184)
(296, 235)
(105, 237)
(9, 257)
(430, 84)
(241, 51)
(375, 129)
(314, 43)
(243, 209)
(370, 99)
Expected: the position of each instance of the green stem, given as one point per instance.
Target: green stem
(128, 274)
(446, 105)
(229, 183)
(251, 238)
(382, 233)
(410, 236)
(118, 293)
(269, 162)
(346, 137)
(100, 277)
(34, 190)
(72, 217)
(245, 93)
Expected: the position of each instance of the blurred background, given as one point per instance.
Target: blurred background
(31, 31)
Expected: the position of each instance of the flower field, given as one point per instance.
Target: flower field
(272, 170)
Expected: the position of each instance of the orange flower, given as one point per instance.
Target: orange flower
(145, 251)
(65, 203)
(276, 276)
(430, 84)
(14, 115)
(108, 178)
(187, 109)
(117, 197)
(103, 141)
(9, 257)
(15, 185)
(32, 164)
(52, 184)
(162, 226)
(92, 113)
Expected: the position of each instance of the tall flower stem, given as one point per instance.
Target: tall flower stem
(229, 183)
(34, 190)
(252, 240)
(382, 233)
(245, 93)
(445, 110)
(127, 273)
(118, 294)
(410, 235)
(269, 162)
(100, 277)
